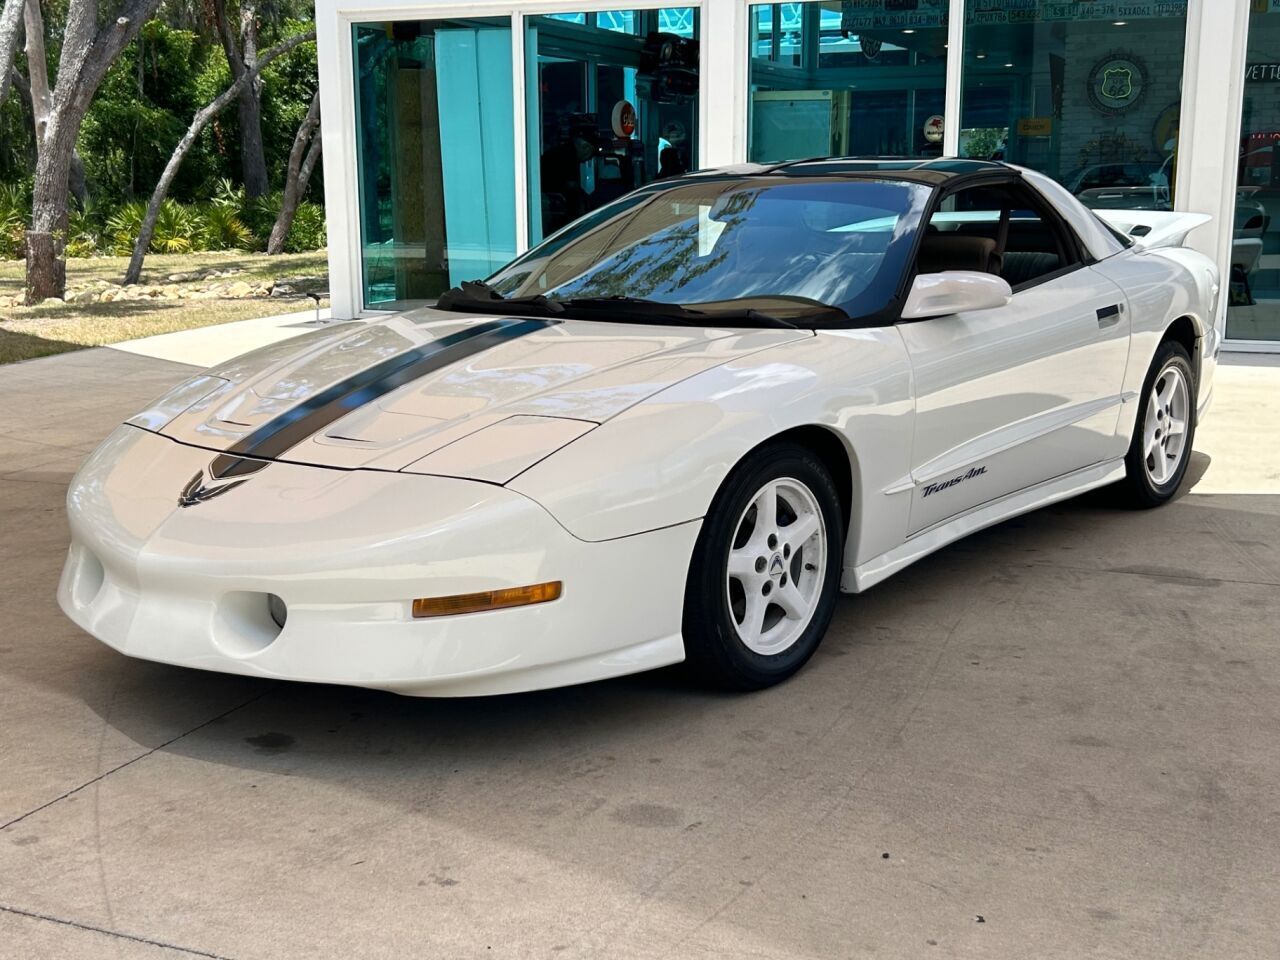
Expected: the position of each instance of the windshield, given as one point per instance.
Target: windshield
(786, 246)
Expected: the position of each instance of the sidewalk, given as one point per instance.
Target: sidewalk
(1240, 434)
(205, 346)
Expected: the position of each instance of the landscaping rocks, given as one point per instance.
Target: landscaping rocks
(196, 285)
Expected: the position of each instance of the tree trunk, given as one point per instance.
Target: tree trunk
(10, 29)
(37, 69)
(298, 174)
(198, 123)
(47, 237)
(253, 157)
(90, 44)
(242, 55)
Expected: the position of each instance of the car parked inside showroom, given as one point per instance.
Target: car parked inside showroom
(674, 431)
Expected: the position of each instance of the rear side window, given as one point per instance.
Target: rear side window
(1026, 243)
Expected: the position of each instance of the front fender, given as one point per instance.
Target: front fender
(661, 462)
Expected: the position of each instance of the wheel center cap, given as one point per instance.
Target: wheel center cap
(776, 566)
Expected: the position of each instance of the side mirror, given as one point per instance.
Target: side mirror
(954, 291)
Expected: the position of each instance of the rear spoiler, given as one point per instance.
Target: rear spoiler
(1150, 229)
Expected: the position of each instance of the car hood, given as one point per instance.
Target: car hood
(440, 393)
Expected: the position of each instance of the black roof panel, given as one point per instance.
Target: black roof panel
(934, 172)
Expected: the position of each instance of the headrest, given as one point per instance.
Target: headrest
(944, 251)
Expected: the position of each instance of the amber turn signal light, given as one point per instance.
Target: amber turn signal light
(488, 600)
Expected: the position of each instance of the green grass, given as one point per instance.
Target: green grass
(29, 332)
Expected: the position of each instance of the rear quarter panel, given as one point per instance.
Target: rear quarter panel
(1161, 286)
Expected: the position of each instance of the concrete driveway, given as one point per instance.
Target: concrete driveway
(1059, 738)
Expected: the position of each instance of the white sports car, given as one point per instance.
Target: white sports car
(673, 431)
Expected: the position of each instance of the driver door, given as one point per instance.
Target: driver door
(1011, 397)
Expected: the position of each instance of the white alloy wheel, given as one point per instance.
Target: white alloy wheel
(777, 565)
(1164, 441)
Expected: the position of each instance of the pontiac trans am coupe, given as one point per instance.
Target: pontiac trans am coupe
(673, 431)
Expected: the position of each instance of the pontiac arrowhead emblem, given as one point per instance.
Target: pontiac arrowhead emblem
(201, 488)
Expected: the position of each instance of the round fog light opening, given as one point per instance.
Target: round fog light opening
(279, 612)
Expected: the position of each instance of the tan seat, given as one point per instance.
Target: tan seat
(941, 251)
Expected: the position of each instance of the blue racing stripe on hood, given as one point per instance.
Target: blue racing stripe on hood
(278, 435)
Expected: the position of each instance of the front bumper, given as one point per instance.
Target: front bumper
(348, 551)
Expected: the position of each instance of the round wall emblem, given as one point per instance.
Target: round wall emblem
(623, 119)
(933, 129)
(1117, 83)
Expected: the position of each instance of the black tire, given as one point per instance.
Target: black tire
(716, 654)
(1138, 489)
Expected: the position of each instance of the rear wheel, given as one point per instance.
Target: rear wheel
(765, 573)
(1162, 438)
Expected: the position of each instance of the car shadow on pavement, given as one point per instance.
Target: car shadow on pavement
(327, 731)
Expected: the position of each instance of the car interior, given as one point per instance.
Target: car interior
(997, 230)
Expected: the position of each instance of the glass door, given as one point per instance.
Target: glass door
(434, 139)
(832, 79)
(612, 104)
(1253, 310)
(1088, 93)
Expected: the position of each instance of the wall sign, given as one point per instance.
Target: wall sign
(1035, 127)
(1262, 73)
(624, 119)
(1117, 83)
(933, 129)
(857, 15)
(982, 12)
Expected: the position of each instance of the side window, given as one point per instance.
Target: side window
(996, 229)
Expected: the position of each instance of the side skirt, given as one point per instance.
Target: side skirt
(859, 578)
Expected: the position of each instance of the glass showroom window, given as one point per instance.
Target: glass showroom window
(612, 104)
(434, 141)
(1253, 311)
(1088, 93)
(836, 79)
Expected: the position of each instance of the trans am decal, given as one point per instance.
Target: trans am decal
(933, 488)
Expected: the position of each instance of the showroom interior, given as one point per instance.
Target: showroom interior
(468, 134)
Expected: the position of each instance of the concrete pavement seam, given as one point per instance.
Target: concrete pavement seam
(133, 760)
(1139, 573)
(111, 933)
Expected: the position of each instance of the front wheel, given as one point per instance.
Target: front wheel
(765, 573)
(1162, 438)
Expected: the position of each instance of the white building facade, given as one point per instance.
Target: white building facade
(456, 136)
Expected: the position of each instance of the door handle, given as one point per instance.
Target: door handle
(1109, 316)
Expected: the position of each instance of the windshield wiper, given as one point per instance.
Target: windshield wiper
(478, 296)
(643, 309)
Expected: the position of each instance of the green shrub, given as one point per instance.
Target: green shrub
(227, 193)
(84, 232)
(222, 229)
(15, 213)
(260, 216)
(123, 227)
(226, 222)
(178, 228)
(308, 231)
